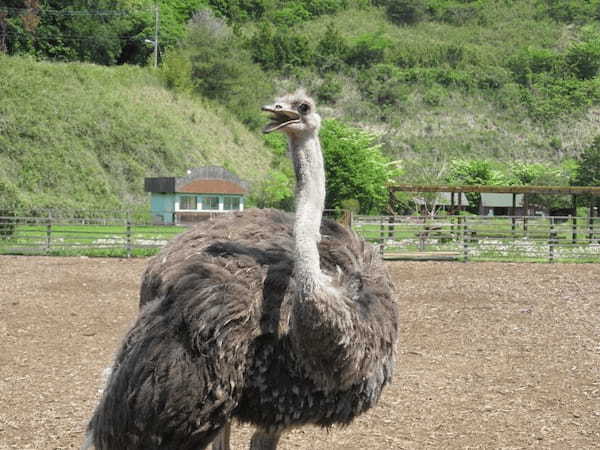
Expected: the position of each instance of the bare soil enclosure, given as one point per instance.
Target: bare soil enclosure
(490, 355)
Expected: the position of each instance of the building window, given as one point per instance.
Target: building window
(188, 203)
(231, 203)
(210, 203)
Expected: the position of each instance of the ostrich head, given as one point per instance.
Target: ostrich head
(293, 114)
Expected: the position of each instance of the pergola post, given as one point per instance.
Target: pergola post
(526, 213)
(513, 212)
(574, 218)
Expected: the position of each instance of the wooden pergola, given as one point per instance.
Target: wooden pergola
(573, 191)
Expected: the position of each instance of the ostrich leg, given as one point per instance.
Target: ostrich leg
(221, 442)
(263, 440)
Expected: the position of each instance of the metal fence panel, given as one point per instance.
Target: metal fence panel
(480, 238)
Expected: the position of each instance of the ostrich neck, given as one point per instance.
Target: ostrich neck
(310, 200)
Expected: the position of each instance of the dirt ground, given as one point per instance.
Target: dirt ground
(490, 356)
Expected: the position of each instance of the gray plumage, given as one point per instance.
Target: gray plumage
(231, 328)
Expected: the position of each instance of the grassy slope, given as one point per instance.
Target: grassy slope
(460, 123)
(81, 135)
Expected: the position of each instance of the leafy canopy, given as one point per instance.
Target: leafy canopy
(355, 168)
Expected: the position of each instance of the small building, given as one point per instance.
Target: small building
(199, 195)
(500, 204)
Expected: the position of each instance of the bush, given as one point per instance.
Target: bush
(368, 50)
(551, 98)
(530, 61)
(221, 69)
(331, 50)
(588, 170)
(240, 10)
(383, 84)
(354, 167)
(405, 12)
(276, 48)
(570, 11)
(321, 7)
(458, 13)
(329, 90)
(435, 95)
(289, 15)
(583, 59)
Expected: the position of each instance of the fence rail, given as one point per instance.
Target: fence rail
(109, 235)
(466, 238)
(481, 238)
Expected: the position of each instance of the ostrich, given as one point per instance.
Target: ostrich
(268, 318)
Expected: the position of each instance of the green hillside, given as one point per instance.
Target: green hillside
(436, 80)
(454, 91)
(84, 136)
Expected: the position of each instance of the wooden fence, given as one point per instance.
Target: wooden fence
(100, 234)
(481, 238)
(466, 238)
(93, 233)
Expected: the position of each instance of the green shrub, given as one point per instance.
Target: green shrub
(491, 77)
(222, 70)
(241, 10)
(329, 90)
(354, 167)
(583, 59)
(383, 84)
(551, 98)
(176, 71)
(569, 11)
(588, 169)
(530, 61)
(289, 15)
(321, 7)
(332, 49)
(277, 48)
(405, 12)
(368, 50)
(457, 13)
(435, 95)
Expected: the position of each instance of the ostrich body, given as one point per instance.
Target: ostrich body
(269, 318)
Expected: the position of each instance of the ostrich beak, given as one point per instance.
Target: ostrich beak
(280, 117)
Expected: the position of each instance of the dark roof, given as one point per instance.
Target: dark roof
(593, 190)
(201, 180)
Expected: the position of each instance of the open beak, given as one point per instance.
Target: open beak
(280, 117)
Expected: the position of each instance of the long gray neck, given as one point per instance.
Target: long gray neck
(310, 201)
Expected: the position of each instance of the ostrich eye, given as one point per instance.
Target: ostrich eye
(303, 108)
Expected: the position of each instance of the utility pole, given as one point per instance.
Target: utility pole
(156, 25)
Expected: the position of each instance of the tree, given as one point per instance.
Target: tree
(407, 12)
(354, 167)
(475, 172)
(588, 170)
(222, 70)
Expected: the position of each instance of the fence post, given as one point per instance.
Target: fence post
(391, 221)
(551, 240)
(465, 240)
(49, 232)
(591, 226)
(129, 239)
(381, 231)
(574, 229)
